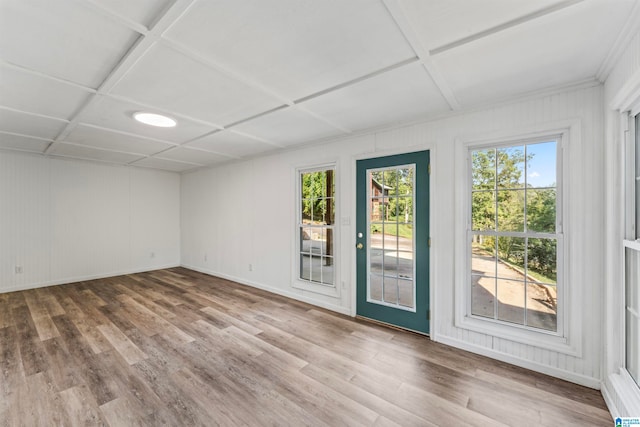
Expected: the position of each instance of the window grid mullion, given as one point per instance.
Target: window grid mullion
(526, 235)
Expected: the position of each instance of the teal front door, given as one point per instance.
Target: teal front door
(392, 240)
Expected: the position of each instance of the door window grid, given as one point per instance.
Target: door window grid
(316, 226)
(390, 214)
(514, 234)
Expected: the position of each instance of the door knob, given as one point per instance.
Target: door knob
(359, 246)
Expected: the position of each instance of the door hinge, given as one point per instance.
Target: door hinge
(429, 169)
(429, 242)
(429, 314)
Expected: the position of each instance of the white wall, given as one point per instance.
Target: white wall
(65, 220)
(622, 89)
(244, 213)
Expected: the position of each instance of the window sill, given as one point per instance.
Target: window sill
(541, 339)
(329, 290)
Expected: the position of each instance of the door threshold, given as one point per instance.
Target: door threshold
(391, 326)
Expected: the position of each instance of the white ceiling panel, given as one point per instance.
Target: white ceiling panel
(192, 155)
(88, 153)
(174, 82)
(62, 38)
(37, 94)
(23, 143)
(288, 126)
(296, 47)
(141, 11)
(549, 51)
(107, 140)
(232, 144)
(27, 124)
(402, 94)
(155, 163)
(245, 77)
(116, 114)
(440, 22)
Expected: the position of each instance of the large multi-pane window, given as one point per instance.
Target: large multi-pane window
(316, 226)
(514, 234)
(632, 253)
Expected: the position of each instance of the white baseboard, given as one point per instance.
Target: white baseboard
(590, 382)
(622, 395)
(284, 293)
(75, 279)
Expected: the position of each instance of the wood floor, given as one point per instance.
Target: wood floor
(179, 348)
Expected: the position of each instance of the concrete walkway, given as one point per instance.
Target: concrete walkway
(540, 299)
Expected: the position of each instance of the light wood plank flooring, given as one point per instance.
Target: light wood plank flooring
(179, 348)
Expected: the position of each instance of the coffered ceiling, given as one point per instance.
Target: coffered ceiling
(246, 77)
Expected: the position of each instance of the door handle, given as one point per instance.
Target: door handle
(359, 246)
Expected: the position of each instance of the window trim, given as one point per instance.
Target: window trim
(296, 281)
(567, 338)
(631, 236)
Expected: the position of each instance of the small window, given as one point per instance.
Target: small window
(514, 234)
(316, 226)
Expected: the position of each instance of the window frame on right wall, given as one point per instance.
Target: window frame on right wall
(631, 245)
(565, 336)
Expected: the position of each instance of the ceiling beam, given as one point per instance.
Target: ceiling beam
(399, 16)
(505, 26)
(126, 63)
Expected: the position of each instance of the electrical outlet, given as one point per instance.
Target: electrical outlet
(205, 257)
(250, 267)
(18, 269)
(153, 254)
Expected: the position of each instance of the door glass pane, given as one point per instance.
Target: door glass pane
(391, 251)
(405, 293)
(391, 290)
(375, 261)
(375, 287)
(405, 264)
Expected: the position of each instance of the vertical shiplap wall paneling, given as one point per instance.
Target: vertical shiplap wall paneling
(66, 220)
(25, 234)
(621, 393)
(154, 218)
(90, 220)
(268, 182)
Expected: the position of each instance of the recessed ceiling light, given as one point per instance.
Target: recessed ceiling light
(154, 119)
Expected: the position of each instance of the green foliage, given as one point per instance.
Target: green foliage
(498, 203)
(318, 197)
(398, 191)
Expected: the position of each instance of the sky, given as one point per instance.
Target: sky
(541, 170)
